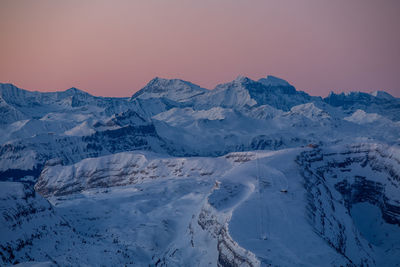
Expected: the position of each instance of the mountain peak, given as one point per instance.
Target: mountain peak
(157, 80)
(273, 81)
(12, 94)
(4, 87)
(382, 94)
(241, 79)
(174, 89)
(158, 84)
(74, 90)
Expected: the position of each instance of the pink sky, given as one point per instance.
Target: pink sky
(113, 48)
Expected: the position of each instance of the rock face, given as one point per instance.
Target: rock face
(28, 156)
(119, 170)
(30, 228)
(379, 102)
(338, 180)
(229, 252)
(239, 209)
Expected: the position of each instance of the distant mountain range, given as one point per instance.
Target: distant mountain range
(250, 173)
(179, 118)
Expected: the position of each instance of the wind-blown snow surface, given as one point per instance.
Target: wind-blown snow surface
(252, 173)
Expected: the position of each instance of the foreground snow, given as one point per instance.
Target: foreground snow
(244, 208)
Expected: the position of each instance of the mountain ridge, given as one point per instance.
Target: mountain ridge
(268, 80)
(251, 173)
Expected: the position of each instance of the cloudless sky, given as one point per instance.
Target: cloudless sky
(113, 48)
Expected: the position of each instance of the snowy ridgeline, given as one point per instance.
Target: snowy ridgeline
(179, 118)
(306, 206)
(251, 173)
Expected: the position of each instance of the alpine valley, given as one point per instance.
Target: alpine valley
(251, 173)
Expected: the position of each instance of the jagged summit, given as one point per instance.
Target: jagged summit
(349, 98)
(268, 81)
(243, 91)
(75, 90)
(382, 94)
(12, 94)
(9, 89)
(364, 95)
(11, 86)
(174, 89)
(273, 81)
(236, 91)
(240, 82)
(17, 104)
(381, 103)
(242, 79)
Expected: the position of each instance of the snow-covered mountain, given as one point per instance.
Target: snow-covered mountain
(378, 102)
(251, 173)
(244, 92)
(37, 104)
(174, 89)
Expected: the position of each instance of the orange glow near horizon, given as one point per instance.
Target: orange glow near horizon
(113, 48)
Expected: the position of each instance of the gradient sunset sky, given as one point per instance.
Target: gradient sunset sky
(113, 48)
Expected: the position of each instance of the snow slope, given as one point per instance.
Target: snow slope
(244, 208)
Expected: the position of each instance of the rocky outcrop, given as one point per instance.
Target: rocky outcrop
(229, 252)
(337, 179)
(29, 226)
(122, 169)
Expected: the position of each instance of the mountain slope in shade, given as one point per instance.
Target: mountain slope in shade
(382, 94)
(31, 230)
(381, 103)
(35, 232)
(278, 82)
(364, 179)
